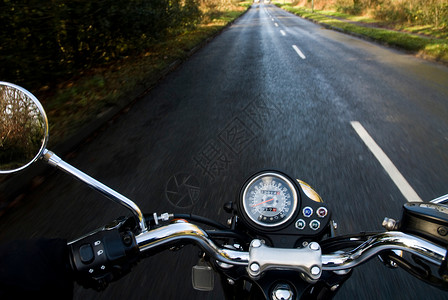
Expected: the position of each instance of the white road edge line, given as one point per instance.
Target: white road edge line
(276, 24)
(402, 184)
(300, 53)
(282, 32)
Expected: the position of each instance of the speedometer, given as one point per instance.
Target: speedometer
(269, 199)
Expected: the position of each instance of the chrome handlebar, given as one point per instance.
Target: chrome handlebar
(183, 232)
(392, 240)
(178, 232)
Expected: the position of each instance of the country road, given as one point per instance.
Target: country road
(272, 91)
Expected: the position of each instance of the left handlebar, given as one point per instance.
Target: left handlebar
(109, 253)
(183, 232)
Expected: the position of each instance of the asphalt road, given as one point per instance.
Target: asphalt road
(272, 91)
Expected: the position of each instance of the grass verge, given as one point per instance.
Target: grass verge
(434, 47)
(77, 102)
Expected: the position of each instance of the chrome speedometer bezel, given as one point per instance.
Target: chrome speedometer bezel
(245, 210)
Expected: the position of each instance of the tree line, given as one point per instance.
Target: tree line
(414, 12)
(45, 40)
(419, 12)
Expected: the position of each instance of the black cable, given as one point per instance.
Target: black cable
(226, 234)
(345, 241)
(150, 220)
(202, 220)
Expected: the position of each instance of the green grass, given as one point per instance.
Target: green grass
(427, 30)
(431, 47)
(363, 19)
(81, 100)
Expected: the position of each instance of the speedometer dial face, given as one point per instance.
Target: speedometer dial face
(270, 199)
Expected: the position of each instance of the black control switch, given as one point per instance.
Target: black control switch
(86, 253)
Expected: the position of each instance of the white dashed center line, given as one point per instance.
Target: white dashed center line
(300, 53)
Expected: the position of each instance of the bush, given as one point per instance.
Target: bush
(44, 40)
(418, 12)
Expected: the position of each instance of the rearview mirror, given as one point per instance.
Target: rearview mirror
(24, 137)
(23, 128)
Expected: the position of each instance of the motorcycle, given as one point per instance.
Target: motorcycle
(279, 241)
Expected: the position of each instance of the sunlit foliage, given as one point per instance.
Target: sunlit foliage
(413, 12)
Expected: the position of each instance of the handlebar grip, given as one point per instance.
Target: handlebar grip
(103, 257)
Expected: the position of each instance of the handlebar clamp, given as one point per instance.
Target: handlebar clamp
(307, 261)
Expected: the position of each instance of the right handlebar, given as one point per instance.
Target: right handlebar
(392, 240)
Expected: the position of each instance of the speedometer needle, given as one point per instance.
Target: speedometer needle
(262, 202)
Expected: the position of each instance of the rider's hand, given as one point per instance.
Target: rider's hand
(35, 268)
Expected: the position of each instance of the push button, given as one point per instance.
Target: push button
(322, 212)
(307, 211)
(315, 224)
(300, 224)
(86, 254)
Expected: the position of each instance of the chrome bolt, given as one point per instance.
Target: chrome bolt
(315, 270)
(254, 267)
(255, 243)
(335, 225)
(282, 292)
(390, 224)
(314, 246)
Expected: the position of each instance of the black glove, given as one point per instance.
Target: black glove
(34, 268)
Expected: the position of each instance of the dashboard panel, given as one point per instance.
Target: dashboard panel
(284, 210)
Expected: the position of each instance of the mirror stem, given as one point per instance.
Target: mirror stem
(57, 162)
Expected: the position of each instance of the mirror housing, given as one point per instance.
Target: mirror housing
(23, 128)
